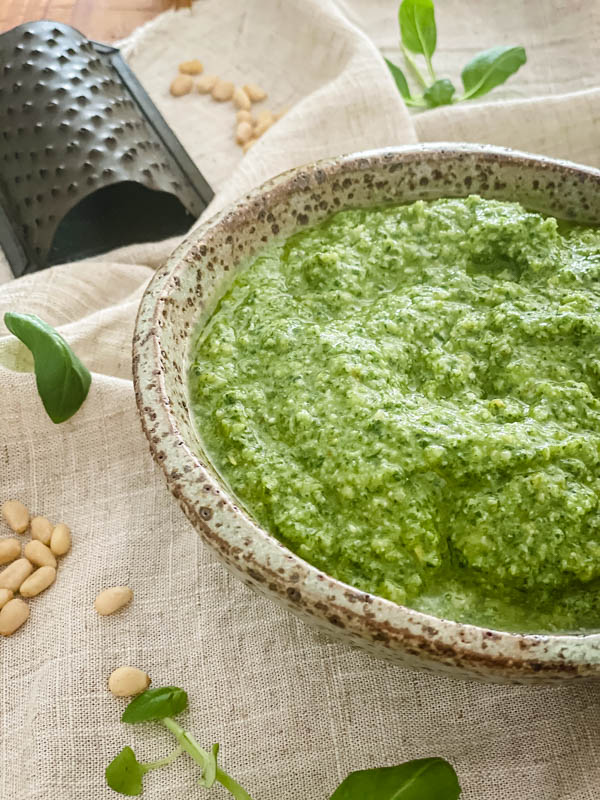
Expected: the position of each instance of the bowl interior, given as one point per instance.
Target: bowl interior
(304, 198)
(184, 292)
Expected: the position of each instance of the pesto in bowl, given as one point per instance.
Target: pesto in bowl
(408, 398)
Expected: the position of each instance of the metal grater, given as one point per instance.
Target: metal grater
(87, 163)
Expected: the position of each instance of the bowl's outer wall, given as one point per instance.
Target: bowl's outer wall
(195, 277)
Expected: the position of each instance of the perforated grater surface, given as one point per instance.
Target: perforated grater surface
(81, 148)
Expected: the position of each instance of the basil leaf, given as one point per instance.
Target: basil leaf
(422, 779)
(398, 76)
(439, 93)
(164, 701)
(417, 26)
(62, 380)
(124, 774)
(491, 68)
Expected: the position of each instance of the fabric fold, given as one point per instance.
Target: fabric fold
(294, 712)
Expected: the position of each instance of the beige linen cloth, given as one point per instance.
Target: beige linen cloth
(294, 712)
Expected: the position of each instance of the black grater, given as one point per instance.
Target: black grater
(87, 163)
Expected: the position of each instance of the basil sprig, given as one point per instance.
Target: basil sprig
(491, 68)
(62, 380)
(418, 30)
(422, 779)
(156, 704)
(483, 73)
(125, 773)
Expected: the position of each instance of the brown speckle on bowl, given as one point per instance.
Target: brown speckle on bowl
(195, 277)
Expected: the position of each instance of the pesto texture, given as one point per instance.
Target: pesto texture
(408, 398)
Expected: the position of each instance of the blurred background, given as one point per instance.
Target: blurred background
(104, 20)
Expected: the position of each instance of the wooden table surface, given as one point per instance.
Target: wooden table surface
(104, 20)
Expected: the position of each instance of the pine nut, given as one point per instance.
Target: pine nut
(181, 85)
(193, 67)
(41, 579)
(244, 116)
(9, 550)
(60, 543)
(113, 599)
(16, 515)
(127, 681)
(222, 90)
(13, 576)
(41, 529)
(5, 596)
(255, 93)
(206, 83)
(12, 616)
(39, 554)
(265, 116)
(241, 99)
(263, 122)
(243, 132)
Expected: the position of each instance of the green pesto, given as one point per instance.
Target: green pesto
(409, 398)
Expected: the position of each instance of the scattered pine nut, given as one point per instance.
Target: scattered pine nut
(38, 581)
(16, 515)
(265, 116)
(113, 599)
(13, 576)
(5, 596)
(181, 85)
(41, 529)
(241, 99)
(248, 144)
(222, 90)
(244, 116)
(206, 83)
(60, 543)
(243, 132)
(255, 93)
(9, 550)
(12, 616)
(263, 122)
(193, 67)
(46, 543)
(39, 554)
(127, 681)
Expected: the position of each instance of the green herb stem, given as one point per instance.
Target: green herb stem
(202, 757)
(416, 102)
(232, 785)
(412, 65)
(163, 762)
(430, 68)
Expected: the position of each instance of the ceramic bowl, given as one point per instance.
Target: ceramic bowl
(198, 273)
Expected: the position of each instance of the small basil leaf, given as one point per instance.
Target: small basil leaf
(398, 76)
(491, 68)
(62, 380)
(124, 774)
(164, 701)
(422, 779)
(439, 93)
(417, 26)
(210, 769)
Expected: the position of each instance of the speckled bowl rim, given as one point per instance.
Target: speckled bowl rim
(263, 561)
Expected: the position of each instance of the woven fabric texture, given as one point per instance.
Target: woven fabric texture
(293, 711)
